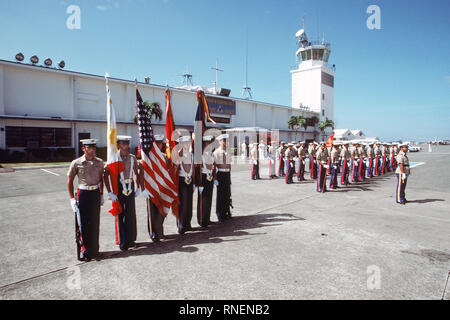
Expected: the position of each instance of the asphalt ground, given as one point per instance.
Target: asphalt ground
(284, 242)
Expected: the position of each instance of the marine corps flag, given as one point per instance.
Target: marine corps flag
(200, 125)
(114, 165)
(330, 141)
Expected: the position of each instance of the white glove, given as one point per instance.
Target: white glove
(216, 183)
(73, 204)
(137, 193)
(271, 161)
(325, 166)
(112, 196)
(102, 200)
(255, 162)
(403, 176)
(200, 189)
(146, 194)
(291, 164)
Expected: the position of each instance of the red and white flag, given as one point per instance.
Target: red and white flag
(158, 181)
(115, 166)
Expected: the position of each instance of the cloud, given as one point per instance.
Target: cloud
(103, 8)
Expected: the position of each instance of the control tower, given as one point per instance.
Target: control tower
(313, 78)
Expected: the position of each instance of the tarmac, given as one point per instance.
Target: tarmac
(284, 242)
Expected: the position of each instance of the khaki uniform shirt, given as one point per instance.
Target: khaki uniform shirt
(377, 152)
(362, 152)
(281, 151)
(385, 151)
(334, 155)
(322, 156)
(90, 173)
(312, 151)
(290, 154)
(354, 152)
(222, 158)
(345, 153)
(370, 152)
(302, 153)
(402, 158)
(254, 153)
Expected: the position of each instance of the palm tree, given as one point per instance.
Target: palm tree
(324, 124)
(153, 110)
(296, 122)
(315, 121)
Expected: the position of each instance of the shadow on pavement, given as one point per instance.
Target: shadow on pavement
(425, 200)
(236, 227)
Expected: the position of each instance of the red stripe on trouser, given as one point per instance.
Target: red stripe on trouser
(320, 183)
(279, 166)
(344, 167)
(79, 224)
(360, 170)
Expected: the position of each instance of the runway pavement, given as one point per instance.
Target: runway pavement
(284, 242)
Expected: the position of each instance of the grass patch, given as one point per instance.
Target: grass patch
(35, 164)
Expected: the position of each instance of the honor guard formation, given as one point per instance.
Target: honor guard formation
(93, 174)
(352, 161)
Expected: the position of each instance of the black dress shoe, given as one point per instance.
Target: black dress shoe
(124, 248)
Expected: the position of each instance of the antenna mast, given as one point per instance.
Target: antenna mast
(216, 85)
(247, 91)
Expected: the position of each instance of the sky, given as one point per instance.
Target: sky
(392, 83)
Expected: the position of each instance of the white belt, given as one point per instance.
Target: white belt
(89, 188)
(206, 171)
(127, 181)
(223, 170)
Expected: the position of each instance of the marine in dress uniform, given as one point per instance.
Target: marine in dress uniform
(345, 156)
(155, 218)
(222, 161)
(402, 173)
(281, 152)
(184, 160)
(322, 160)
(354, 161)
(362, 156)
(205, 184)
(255, 161)
(302, 153)
(312, 161)
(89, 170)
(391, 158)
(126, 220)
(385, 159)
(334, 160)
(290, 163)
(377, 152)
(370, 156)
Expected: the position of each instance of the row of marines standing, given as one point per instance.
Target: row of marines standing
(356, 160)
(93, 175)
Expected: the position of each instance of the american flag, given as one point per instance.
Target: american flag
(158, 181)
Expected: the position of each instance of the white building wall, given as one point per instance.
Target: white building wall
(306, 88)
(35, 93)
